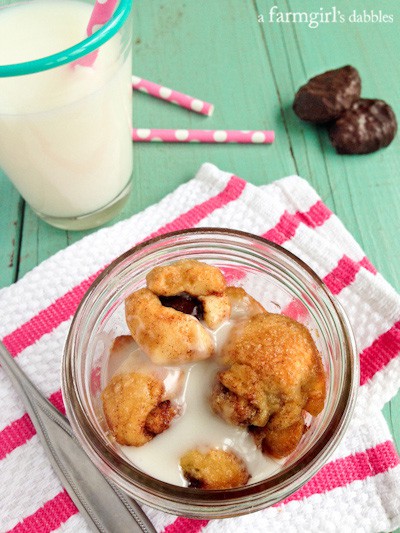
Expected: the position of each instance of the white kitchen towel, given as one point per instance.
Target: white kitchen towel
(358, 490)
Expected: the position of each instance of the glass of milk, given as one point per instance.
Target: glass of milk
(66, 109)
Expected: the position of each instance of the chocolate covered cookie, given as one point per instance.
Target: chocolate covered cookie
(364, 128)
(326, 96)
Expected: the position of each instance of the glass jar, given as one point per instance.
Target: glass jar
(283, 284)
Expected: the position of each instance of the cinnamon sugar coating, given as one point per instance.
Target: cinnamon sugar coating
(216, 309)
(187, 275)
(274, 373)
(134, 409)
(197, 279)
(214, 469)
(167, 336)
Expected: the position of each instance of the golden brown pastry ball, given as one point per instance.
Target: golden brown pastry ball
(167, 336)
(214, 469)
(187, 275)
(134, 409)
(274, 372)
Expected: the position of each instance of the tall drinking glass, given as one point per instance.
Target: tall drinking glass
(66, 109)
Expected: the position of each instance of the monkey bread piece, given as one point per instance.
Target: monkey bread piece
(133, 408)
(216, 309)
(120, 344)
(125, 356)
(242, 304)
(214, 469)
(239, 396)
(167, 336)
(274, 373)
(196, 279)
(279, 442)
(160, 417)
(187, 275)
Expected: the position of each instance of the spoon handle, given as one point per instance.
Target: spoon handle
(105, 508)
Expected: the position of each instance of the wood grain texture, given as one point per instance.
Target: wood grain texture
(11, 221)
(218, 51)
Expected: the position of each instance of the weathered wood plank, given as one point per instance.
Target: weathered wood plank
(38, 242)
(11, 208)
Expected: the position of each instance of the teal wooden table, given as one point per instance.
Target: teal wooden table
(229, 53)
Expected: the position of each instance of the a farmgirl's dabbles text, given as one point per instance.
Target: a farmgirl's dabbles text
(209, 390)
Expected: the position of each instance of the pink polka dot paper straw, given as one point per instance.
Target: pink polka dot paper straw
(174, 97)
(102, 12)
(203, 136)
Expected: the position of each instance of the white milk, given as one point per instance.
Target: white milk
(64, 133)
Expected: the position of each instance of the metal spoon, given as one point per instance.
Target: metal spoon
(103, 505)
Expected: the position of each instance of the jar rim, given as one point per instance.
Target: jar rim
(75, 52)
(123, 472)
